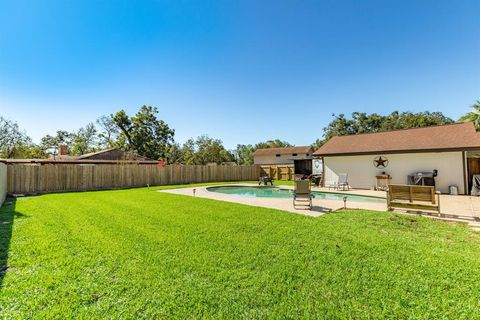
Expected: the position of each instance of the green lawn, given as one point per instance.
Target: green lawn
(143, 254)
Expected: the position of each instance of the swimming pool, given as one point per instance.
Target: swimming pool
(273, 192)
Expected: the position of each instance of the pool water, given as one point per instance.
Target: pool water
(273, 192)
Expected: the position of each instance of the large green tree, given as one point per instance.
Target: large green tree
(85, 140)
(473, 116)
(61, 137)
(204, 150)
(14, 143)
(108, 133)
(144, 133)
(275, 143)
(244, 154)
(209, 150)
(174, 154)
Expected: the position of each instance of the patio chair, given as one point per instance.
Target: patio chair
(302, 195)
(343, 181)
(316, 179)
(331, 184)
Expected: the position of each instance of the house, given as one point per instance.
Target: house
(283, 163)
(452, 150)
(112, 154)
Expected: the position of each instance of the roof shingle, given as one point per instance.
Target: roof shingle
(286, 150)
(458, 136)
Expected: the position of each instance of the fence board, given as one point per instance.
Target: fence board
(35, 178)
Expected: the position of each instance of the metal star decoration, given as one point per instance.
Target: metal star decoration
(380, 162)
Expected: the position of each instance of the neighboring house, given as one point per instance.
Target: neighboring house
(113, 154)
(453, 150)
(282, 163)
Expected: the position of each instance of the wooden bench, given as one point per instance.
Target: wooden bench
(413, 197)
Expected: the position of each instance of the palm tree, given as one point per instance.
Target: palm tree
(473, 116)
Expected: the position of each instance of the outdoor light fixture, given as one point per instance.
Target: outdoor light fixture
(194, 192)
(344, 202)
(53, 151)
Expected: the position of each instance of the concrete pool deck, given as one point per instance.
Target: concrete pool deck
(320, 206)
(453, 208)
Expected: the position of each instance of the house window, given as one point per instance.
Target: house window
(277, 155)
(294, 154)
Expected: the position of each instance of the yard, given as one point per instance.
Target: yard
(144, 254)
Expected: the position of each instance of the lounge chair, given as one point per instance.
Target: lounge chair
(302, 195)
(343, 181)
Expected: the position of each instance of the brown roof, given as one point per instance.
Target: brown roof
(458, 136)
(116, 154)
(286, 150)
(88, 155)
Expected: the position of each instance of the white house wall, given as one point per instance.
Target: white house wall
(3, 182)
(361, 171)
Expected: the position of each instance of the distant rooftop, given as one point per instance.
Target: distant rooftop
(286, 150)
(107, 156)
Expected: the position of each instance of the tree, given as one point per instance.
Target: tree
(276, 143)
(408, 120)
(144, 133)
(473, 116)
(361, 122)
(209, 150)
(244, 154)
(61, 137)
(204, 150)
(188, 152)
(174, 154)
(13, 141)
(108, 133)
(29, 151)
(317, 143)
(339, 126)
(84, 140)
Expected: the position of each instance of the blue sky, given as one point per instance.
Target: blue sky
(242, 71)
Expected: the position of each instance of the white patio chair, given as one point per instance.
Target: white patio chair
(343, 181)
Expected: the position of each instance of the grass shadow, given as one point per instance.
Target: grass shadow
(7, 217)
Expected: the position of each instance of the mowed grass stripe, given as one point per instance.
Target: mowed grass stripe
(142, 254)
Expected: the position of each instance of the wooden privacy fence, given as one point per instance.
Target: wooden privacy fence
(35, 178)
(278, 171)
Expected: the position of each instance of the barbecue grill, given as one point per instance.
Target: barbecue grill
(423, 178)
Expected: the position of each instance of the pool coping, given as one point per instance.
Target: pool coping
(320, 206)
(282, 187)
